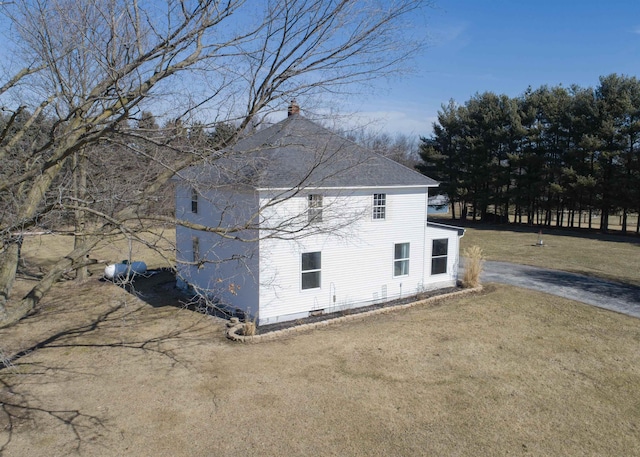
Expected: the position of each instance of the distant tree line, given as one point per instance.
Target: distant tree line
(400, 147)
(552, 154)
(106, 175)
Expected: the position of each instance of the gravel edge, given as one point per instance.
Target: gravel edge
(234, 330)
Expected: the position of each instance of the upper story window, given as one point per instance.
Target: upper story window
(401, 259)
(439, 252)
(194, 201)
(311, 270)
(195, 249)
(379, 206)
(314, 209)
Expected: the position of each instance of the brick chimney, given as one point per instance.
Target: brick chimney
(294, 108)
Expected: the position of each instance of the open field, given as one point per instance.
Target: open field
(44, 250)
(502, 373)
(99, 371)
(606, 256)
(40, 252)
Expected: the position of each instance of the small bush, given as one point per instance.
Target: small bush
(474, 258)
(249, 328)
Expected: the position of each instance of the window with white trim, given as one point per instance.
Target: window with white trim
(379, 206)
(311, 270)
(401, 259)
(194, 201)
(439, 253)
(314, 210)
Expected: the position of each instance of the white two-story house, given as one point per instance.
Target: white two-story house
(296, 220)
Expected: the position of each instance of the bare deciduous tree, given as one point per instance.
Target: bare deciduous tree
(85, 73)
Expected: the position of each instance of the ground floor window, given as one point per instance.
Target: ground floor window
(439, 252)
(401, 259)
(311, 269)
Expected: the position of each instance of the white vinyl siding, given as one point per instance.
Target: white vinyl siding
(453, 245)
(356, 267)
(357, 262)
(228, 269)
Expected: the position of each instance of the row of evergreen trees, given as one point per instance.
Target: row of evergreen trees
(553, 153)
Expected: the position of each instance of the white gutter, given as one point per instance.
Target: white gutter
(421, 186)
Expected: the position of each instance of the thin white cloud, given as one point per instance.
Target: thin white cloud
(636, 30)
(448, 34)
(393, 122)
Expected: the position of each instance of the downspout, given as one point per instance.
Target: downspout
(424, 237)
(457, 265)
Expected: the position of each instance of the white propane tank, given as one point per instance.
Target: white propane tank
(121, 270)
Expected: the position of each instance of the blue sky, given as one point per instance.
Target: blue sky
(502, 46)
(505, 46)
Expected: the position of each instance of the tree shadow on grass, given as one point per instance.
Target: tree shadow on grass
(114, 320)
(158, 289)
(17, 410)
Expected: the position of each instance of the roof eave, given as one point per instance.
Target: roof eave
(408, 186)
(460, 230)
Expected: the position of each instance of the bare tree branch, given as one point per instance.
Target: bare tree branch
(91, 67)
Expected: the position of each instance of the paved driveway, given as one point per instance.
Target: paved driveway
(586, 289)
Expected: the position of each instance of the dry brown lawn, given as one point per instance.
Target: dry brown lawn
(507, 372)
(606, 256)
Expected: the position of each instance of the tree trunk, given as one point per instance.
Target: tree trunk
(80, 191)
(604, 220)
(506, 206)
(29, 208)
(8, 269)
(72, 261)
(580, 217)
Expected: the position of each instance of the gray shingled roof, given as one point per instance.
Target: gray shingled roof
(297, 152)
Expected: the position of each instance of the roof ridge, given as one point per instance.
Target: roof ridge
(364, 148)
(298, 152)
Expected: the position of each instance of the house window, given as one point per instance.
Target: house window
(314, 210)
(194, 201)
(439, 251)
(379, 206)
(311, 264)
(195, 249)
(401, 259)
